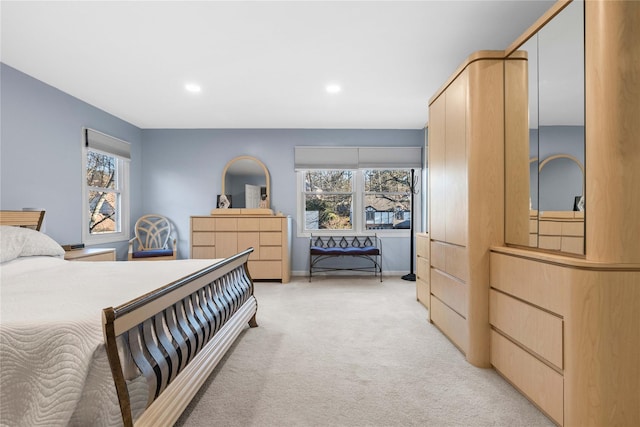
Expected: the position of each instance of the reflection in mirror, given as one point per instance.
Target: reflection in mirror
(555, 137)
(246, 180)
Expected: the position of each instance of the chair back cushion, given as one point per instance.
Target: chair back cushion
(152, 232)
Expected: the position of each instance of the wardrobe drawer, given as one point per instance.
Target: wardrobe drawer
(450, 323)
(535, 329)
(450, 291)
(422, 292)
(543, 385)
(451, 259)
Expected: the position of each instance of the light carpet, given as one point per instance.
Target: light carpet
(351, 351)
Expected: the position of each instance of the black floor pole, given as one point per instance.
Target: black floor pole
(411, 276)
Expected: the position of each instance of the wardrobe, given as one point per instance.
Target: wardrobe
(562, 326)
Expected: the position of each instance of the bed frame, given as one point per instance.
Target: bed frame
(175, 335)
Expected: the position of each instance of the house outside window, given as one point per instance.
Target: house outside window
(105, 189)
(356, 189)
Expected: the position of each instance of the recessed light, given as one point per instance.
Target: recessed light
(192, 87)
(333, 88)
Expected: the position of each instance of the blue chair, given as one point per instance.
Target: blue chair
(155, 239)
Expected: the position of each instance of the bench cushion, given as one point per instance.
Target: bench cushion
(365, 250)
(151, 253)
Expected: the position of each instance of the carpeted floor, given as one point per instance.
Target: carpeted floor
(351, 352)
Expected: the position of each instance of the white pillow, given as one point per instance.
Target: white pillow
(17, 241)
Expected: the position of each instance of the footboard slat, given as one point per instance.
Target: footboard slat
(181, 329)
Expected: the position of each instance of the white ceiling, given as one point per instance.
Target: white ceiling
(261, 64)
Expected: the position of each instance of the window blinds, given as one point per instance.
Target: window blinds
(107, 144)
(357, 157)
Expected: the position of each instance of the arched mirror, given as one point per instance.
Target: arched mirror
(545, 130)
(245, 181)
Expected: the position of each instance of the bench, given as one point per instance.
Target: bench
(325, 248)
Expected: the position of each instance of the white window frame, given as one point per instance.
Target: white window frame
(359, 215)
(123, 184)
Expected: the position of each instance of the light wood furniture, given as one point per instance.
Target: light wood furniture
(565, 329)
(30, 219)
(154, 239)
(423, 290)
(91, 254)
(466, 206)
(561, 231)
(194, 336)
(565, 333)
(226, 231)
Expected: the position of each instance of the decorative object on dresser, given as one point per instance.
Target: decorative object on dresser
(224, 201)
(160, 347)
(154, 239)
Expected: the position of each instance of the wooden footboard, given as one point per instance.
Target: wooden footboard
(176, 335)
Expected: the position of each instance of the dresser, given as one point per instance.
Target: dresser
(228, 231)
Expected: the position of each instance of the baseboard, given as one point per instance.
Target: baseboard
(347, 273)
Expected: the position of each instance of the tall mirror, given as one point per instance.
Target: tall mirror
(245, 182)
(545, 204)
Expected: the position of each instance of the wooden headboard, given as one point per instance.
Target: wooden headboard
(30, 219)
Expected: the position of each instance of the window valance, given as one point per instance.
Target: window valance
(107, 144)
(307, 157)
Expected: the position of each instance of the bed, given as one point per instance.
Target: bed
(109, 343)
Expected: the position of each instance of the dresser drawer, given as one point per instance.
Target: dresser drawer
(203, 238)
(203, 252)
(271, 239)
(270, 224)
(249, 224)
(265, 269)
(539, 382)
(450, 291)
(270, 253)
(423, 292)
(203, 224)
(226, 224)
(535, 329)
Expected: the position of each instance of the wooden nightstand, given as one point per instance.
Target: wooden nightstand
(91, 254)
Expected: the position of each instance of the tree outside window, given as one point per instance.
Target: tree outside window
(328, 199)
(104, 193)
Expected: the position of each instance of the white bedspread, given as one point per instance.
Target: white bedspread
(54, 369)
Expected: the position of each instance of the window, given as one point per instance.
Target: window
(105, 189)
(358, 189)
(328, 200)
(355, 200)
(387, 198)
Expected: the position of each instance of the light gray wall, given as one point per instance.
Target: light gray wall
(182, 173)
(174, 172)
(41, 156)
